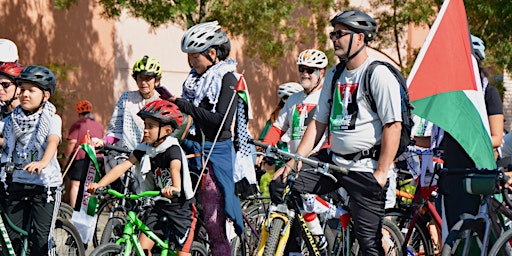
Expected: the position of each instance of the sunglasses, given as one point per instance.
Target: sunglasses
(308, 70)
(335, 35)
(6, 85)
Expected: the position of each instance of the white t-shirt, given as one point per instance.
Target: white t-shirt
(293, 116)
(354, 126)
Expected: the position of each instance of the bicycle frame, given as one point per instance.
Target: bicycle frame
(7, 248)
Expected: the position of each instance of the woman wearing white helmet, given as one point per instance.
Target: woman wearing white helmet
(206, 96)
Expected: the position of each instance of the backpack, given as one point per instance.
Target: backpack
(407, 122)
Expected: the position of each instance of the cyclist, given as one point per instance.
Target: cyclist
(366, 142)
(31, 136)
(125, 127)
(79, 167)
(206, 96)
(8, 51)
(164, 167)
(8, 96)
(455, 198)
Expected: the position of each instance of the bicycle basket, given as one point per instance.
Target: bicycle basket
(481, 183)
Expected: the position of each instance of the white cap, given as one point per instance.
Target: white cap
(8, 51)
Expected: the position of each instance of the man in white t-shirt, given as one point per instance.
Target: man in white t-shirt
(362, 141)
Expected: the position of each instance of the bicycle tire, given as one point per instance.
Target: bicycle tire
(103, 215)
(274, 235)
(65, 211)
(247, 243)
(67, 239)
(108, 249)
(458, 235)
(113, 230)
(420, 242)
(198, 249)
(503, 245)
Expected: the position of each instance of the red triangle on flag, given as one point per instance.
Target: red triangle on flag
(86, 139)
(240, 86)
(444, 63)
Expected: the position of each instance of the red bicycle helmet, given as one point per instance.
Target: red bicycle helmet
(163, 111)
(10, 69)
(83, 106)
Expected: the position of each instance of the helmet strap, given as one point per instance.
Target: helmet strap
(206, 53)
(41, 105)
(159, 138)
(349, 57)
(14, 97)
(317, 72)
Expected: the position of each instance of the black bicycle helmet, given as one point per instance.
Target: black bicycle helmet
(358, 22)
(39, 75)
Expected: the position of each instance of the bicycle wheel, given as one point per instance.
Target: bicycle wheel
(465, 236)
(113, 230)
(276, 227)
(198, 249)
(502, 246)
(247, 243)
(108, 249)
(420, 242)
(103, 215)
(65, 211)
(67, 239)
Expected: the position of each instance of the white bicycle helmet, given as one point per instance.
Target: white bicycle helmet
(312, 58)
(288, 89)
(478, 47)
(202, 36)
(8, 51)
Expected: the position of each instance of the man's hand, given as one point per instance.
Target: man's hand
(284, 171)
(381, 176)
(91, 188)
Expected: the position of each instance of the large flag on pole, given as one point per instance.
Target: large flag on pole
(85, 219)
(445, 86)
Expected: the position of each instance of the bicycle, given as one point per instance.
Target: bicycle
(66, 238)
(128, 243)
(281, 217)
(474, 232)
(254, 214)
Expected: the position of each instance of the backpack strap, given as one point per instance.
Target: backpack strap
(367, 80)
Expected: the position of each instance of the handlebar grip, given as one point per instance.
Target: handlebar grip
(258, 143)
(176, 194)
(117, 149)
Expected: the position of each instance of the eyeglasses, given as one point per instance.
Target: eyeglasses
(6, 85)
(308, 70)
(335, 35)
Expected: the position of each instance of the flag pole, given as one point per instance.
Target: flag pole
(70, 162)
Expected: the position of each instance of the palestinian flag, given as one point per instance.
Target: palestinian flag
(445, 87)
(243, 93)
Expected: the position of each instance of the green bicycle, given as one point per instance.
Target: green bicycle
(128, 243)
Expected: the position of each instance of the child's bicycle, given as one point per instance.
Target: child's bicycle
(128, 243)
(66, 238)
(280, 218)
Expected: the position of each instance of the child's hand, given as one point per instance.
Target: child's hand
(92, 187)
(36, 167)
(168, 191)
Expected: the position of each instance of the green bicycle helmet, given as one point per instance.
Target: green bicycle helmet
(147, 66)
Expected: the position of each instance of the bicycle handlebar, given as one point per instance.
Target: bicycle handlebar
(115, 148)
(133, 196)
(320, 166)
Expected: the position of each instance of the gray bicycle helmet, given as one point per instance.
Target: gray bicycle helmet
(478, 47)
(38, 75)
(358, 22)
(203, 36)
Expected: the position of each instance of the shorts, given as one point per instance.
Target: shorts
(181, 221)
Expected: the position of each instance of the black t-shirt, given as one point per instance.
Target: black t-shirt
(207, 121)
(160, 166)
(454, 155)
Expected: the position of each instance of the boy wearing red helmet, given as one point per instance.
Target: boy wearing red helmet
(163, 166)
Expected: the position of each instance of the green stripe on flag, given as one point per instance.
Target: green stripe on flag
(455, 113)
(92, 155)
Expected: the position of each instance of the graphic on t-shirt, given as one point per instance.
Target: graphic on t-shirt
(344, 109)
(163, 177)
(300, 114)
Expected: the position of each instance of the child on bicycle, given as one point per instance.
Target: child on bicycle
(162, 166)
(32, 134)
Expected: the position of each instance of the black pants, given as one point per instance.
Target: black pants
(366, 204)
(456, 200)
(44, 214)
